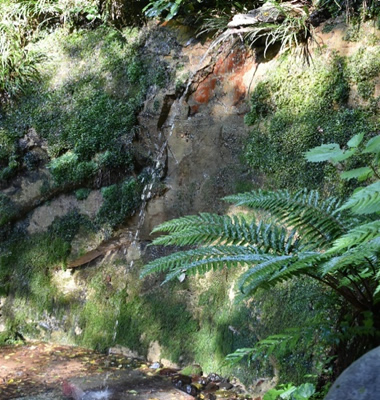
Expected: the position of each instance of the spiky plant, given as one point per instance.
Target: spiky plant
(334, 242)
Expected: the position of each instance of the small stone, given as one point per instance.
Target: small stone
(200, 380)
(191, 390)
(214, 378)
(211, 387)
(199, 386)
(182, 379)
(221, 394)
(225, 385)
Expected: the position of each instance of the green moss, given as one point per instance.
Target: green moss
(192, 370)
(68, 168)
(27, 262)
(299, 107)
(306, 310)
(68, 226)
(8, 209)
(224, 326)
(363, 68)
(353, 33)
(99, 315)
(192, 324)
(161, 315)
(92, 86)
(82, 193)
(120, 201)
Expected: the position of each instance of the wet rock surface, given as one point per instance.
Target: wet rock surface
(46, 371)
(360, 381)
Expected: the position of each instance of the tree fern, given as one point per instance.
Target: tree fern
(265, 346)
(268, 273)
(206, 229)
(317, 220)
(205, 258)
(364, 255)
(356, 236)
(330, 240)
(364, 201)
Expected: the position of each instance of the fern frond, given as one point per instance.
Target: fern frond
(356, 236)
(238, 355)
(264, 347)
(363, 255)
(188, 222)
(206, 229)
(317, 220)
(258, 275)
(364, 201)
(305, 263)
(204, 259)
(269, 273)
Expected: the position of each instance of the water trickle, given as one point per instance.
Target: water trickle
(155, 173)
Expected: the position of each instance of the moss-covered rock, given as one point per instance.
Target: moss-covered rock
(298, 107)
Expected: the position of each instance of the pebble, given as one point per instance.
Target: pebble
(212, 387)
(181, 379)
(225, 385)
(214, 378)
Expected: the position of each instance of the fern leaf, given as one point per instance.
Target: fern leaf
(364, 201)
(254, 278)
(186, 222)
(267, 274)
(361, 256)
(356, 236)
(238, 355)
(303, 264)
(212, 229)
(317, 221)
(204, 259)
(264, 347)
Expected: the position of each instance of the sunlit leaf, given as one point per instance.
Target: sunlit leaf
(358, 173)
(373, 145)
(355, 140)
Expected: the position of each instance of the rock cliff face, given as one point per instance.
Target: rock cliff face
(203, 134)
(186, 150)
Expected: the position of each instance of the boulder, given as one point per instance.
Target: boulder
(360, 381)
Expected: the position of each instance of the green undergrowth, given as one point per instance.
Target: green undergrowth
(83, 110)
(298, 107)
(27, 265)
(196, 321)
(120, 201)
(191, 324)
(304, 312)
(8, 209)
